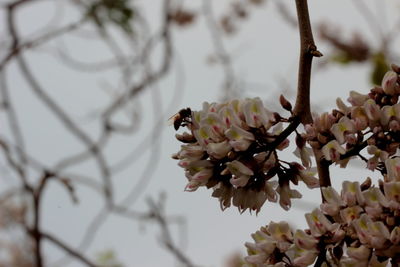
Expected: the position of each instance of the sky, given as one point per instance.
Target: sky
(264, 56)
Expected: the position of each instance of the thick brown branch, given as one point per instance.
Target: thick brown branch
(308, 50)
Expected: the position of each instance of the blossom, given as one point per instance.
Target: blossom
(285, 194)
(343, 127)
(239, 139)
(255, 114)
(359, 118)
(318, 223)
(378, 155)
(308, 177)
(332, 201)
(351, 193)
(218, 150)
(305, 241)
(389, 113)
(349, 214)
(372, 110)
(304, 154)
(241, 173)
(333, 150)
(389, 83)
(393, 169)
(342, 106)
(360, 253)
(357, 99)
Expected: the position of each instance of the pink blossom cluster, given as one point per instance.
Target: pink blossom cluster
(359, 227)
(372, 120)
(231, 147)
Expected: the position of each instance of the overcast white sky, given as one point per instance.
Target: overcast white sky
(264, 53)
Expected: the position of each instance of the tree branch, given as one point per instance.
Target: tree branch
(308, 50)
(72, 252)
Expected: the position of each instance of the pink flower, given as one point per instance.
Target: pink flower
(280, 231)
(392, 193)
(229, 117)
(393, 169)
(241, 173)
(395, 235)
(239, 139)
(389, 83)
(351, 193)
(308, 177)
(285, 194)
(333, 150)
(344, 126)
(342, 106)
(357, 99)
(360, 118)
(303, 258)
(349, 214)
(318, 223)
(218, 150)
(372, 110)
(361, 253)
(255, 113)
(304, 154)
(389, 113)
(332, 203)
(305, 241)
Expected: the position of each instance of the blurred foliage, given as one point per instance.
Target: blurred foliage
(379, 67)
(115, 11)
(238, 11)
(108, 258)
(355, 50)
(182, 17)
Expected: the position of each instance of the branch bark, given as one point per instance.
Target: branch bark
(308, 50)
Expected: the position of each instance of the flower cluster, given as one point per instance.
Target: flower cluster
(232, 148)
(359, 227)
(372, 121)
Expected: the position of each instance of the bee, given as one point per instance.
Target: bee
(182, 118)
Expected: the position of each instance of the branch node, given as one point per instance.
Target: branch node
(312, 50)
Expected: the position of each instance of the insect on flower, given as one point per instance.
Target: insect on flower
(181, 118)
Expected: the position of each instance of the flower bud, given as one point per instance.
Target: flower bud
(285, 103)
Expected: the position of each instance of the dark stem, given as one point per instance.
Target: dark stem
(323, 170)
(321, 259)
(308, 50)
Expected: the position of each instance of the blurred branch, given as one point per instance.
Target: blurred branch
(76, 254)
(223, 58)
(157, 214)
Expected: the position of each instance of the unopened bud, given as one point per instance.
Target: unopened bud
(389, 83)
(366, 184)
(285, 103)
(185, 138)
(395, 68)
